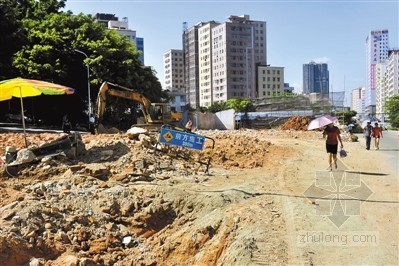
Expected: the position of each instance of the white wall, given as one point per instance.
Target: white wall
(220, 120)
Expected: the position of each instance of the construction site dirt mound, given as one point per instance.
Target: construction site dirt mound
(296, 123)
(125, 202)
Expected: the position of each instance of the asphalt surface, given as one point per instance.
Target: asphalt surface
(389, 147)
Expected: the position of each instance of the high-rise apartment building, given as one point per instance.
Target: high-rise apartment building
(122, 27)
(205, 66)
(238, 47)
(380, 86)
(376, 51)
(392, 73)
(316, 79)
(358, 102)
(221, 59)
(270, 81)
(191, 69)
(174, 69)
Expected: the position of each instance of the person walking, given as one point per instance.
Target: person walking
(92, 124)
(66, 124)
(377, 134)
(368, 131)
(189, 125)
(332, 135)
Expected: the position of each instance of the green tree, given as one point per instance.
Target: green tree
(46, 52)
(392, 108)
(239, 104)
(11, 37)
(217, 107)
(346, 116)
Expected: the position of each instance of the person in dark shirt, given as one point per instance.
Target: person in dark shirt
(66, 124)
(332, 135)
(368, 132)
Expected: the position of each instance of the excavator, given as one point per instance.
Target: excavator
(155, 114)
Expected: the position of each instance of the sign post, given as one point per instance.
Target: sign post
(183, 139)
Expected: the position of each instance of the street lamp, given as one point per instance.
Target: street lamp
(88, 80)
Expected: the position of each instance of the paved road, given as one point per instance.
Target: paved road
(389, 147)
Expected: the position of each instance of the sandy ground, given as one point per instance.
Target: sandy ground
(264, 203)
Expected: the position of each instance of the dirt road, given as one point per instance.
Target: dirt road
(267, 201)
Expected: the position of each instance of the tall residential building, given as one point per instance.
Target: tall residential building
(174, 69)
(270, 81)
(238, 47)
(205, 57)
(316, 79)
(221, 59)
(376, 51)
(380, 86)
(387, 82)
(393, 73)
(191, 70)
(122, 27)
(358, 102)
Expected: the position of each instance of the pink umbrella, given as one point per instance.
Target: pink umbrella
(321, 122)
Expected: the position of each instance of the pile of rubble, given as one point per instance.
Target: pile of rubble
(102, 203)
(296, 123)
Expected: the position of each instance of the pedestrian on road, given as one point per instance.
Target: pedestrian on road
(333, 135)
(189, 125)
(368, 131)
(66, 124)
(92, 124)
(377, 134)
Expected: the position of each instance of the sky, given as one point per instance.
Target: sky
(298, 31)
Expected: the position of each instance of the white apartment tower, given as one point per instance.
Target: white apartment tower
(238, 47)
(205, 63)
(380, 87)
(173, 69)
(393, 73)
(221, 59)
(191, 76)
(376, 51)
(358, 100)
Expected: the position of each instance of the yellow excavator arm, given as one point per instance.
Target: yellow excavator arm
(122, 92)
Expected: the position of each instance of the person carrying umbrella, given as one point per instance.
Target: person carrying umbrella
(333, 135)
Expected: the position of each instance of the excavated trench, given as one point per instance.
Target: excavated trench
(129, 224)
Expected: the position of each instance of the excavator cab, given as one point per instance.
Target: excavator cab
(160, 112)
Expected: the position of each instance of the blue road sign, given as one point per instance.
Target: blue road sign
(182, 139)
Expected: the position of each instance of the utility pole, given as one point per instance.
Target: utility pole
(88, 80)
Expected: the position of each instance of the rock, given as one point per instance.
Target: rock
(68, 260)
(25, 156)
(11, 149)
(134, 132)
(99, 171)
(35, 262)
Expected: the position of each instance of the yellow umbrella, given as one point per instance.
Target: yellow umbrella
(21, 88)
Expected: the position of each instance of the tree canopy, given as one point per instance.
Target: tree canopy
(392, 109)
(40, 42)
